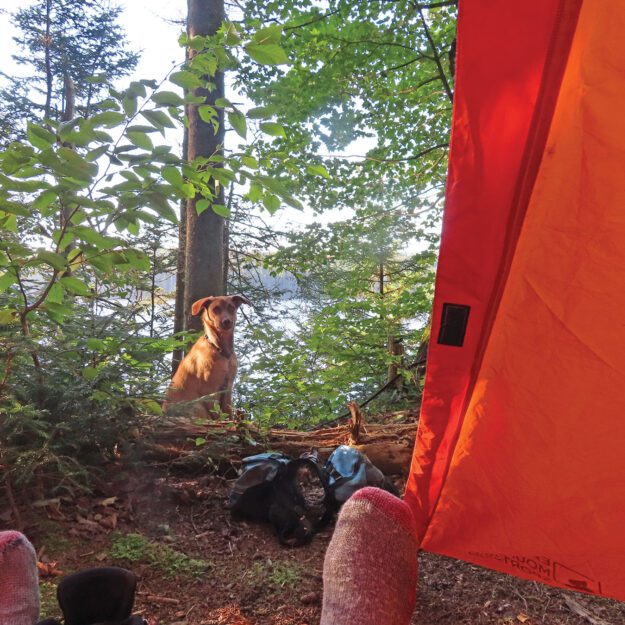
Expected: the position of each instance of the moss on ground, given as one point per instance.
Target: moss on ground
(137, 548)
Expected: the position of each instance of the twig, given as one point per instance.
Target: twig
(159, 599)
(580, 610)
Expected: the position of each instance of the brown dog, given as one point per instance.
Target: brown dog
(209, 368)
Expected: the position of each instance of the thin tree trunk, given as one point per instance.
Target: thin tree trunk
(396, 350)
(179, 324)
(437, 57)
(69, 109)
(153, 289)
(227, 241)
(48, 44)
(394, 345)
(204, 252)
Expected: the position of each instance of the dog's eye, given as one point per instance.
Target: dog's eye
(230, 308)
(216, 310)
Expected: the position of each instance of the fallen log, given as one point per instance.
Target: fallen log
(225, 443)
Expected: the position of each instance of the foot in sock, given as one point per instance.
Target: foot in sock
(19, 586)
(370, 568)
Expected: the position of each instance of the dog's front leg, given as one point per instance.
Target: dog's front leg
(225, 403)
(208, 409)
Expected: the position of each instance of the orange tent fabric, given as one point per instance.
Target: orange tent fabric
(519, 461)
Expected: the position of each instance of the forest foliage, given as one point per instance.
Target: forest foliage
(91, 175)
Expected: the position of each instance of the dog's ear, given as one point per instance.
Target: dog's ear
(237, 300)
(196, 308)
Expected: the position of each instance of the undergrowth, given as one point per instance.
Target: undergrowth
(277, 575)
(135, 548)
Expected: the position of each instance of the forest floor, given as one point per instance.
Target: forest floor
(196, 566)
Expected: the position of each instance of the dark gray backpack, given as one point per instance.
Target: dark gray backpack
(270, 488)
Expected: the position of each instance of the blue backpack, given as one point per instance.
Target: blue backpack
(349, 470)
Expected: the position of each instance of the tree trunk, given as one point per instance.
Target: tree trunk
(48, 63)
(204, 250)
(396, 351)
(227, 241)
(179, 324)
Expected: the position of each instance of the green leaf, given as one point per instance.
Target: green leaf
(94, 155)
(261, 112)
(53, 259)
(56, 294)
(9, 223)
(270, 54)
(237, 121)
(129, 105)
(75, 166)
(201, 206)
(74, 285)
(136, 89)
(103, 263)
(318, 170)
(233, 37)
(185, 79)
(162, 207)
(39, 136)
(95, 344)
(249, 161)
(93, 237)
(272, 128)
(108, 119)
(255, 193)
(167, 98)
(65, 239)
(141, 140)
(267, 35)
(271, 203)
(44, 199)
(90, 373)
(172, 175)
(137, 259)
(141, 128)
(291, 201)
(159, 119)
(221, 210)
(7, 280)
(57, 312)
(195, 43)
(14, 208)
(7, 316)
(205, 64)
(153, 407)
(188, 190)
(207, 114)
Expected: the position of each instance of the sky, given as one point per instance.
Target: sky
(151, 28)
(146, 25)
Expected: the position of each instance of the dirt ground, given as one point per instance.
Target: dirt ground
(196, 566)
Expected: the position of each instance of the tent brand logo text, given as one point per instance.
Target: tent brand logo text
(545, 569)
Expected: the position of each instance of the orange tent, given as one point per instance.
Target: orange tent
(519, 460)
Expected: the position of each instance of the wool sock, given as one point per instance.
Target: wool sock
(370, 567)
(19, 585)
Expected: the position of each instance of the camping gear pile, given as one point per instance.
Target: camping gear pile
(299, 496)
